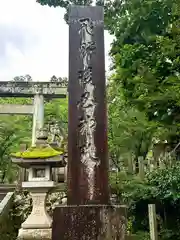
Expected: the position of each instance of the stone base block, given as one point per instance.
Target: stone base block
(39, 218)
(35, 234)
(89, 222)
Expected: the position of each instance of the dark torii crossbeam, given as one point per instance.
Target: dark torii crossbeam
(88, 214)
(29, 89)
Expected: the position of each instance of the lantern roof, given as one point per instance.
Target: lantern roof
(41, 154)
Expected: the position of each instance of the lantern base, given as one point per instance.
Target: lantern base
(34, 234)
(39, 218)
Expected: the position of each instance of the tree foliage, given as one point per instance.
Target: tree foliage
(145, 54)
(160, 187)
(130, 132)
(66, 3)
(23, 78)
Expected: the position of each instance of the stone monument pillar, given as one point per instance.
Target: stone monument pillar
(39, 160)
(89, 213)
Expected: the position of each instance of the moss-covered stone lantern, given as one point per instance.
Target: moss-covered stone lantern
(39, 160)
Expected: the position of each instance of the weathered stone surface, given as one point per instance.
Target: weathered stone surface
(94, 222)
(35, 185)
(29, 89)
(87, 133)
(39, 218)
(16, 109)
(34, 234)
(88, 164)
(38, 116)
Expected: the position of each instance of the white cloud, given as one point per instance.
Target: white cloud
(34, 40)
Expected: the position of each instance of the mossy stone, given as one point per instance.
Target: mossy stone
(40, 152)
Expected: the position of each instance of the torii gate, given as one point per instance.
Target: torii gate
(36, 90)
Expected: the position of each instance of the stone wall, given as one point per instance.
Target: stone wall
(9, 224)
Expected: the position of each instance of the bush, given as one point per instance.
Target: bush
(161, 187)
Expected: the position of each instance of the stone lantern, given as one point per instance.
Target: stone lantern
(39, 160)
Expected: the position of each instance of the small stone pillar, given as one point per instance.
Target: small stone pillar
(141, 167)
(38, 116)
(39, 160)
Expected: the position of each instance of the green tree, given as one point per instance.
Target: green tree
(130, 132)
(66, 3)
(160, 187)
(14, 130)
(25, 78)
(146, 60)
(57, 111)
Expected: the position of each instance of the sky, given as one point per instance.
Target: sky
(34, 41)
